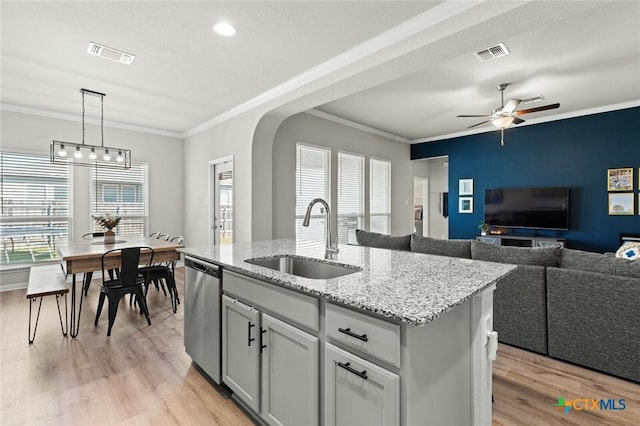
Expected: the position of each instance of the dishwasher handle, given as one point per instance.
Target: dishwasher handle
(208, 268)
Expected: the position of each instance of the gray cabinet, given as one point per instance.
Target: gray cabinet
(241, 350)
(290, 384)
(271, 365)
(358, 392)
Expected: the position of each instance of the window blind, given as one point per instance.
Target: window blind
(312, 181)
(350, 210)
(122, 193)
(35, 207)
(380, 196)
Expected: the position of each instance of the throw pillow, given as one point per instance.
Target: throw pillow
(393, 242)
(629, 250)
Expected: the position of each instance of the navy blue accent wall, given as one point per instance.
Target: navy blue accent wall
(575, 152)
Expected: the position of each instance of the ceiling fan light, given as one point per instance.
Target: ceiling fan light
(502, 122)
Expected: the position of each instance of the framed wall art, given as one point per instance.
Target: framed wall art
(620, 179)
(465, 186)
(465, 205)
(621, 204)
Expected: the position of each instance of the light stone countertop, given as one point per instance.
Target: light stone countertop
(414, 288)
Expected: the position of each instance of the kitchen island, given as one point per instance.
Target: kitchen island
(403, 338)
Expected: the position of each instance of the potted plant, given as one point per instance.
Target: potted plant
(108, 222)
(484, 227)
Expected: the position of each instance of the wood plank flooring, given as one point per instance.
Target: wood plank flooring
(141, 375)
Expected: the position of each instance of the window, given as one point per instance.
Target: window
(380, 196)
(35, 207)
(123, 193)
(350, 196)
(312, 181)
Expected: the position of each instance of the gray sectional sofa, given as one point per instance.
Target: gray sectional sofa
(572, 305)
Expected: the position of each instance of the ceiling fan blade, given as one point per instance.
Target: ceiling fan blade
(482, 122)
(511, 106)
(517, 120)
(477, 115)
(537, 109)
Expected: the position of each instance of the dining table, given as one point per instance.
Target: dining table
(85, 256)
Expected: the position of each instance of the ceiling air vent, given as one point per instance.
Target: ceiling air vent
(492, 52)
(109, 53)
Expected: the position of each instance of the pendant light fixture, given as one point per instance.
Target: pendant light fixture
(76, 154)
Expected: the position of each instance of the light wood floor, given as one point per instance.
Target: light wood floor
(141, 375)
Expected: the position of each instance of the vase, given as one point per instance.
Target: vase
(109, 237)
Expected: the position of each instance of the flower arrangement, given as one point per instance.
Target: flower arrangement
(484, 227)
(107, 221)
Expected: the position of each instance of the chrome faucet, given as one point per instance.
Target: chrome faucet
(331, 249)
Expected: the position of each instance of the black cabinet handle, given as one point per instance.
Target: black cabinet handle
(348, 332)
(262, 345)
(249, 338)
(347, 366)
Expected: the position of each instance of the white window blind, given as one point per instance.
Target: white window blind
(380, 196)
(350, 196)
(312, 181)
(35, 207)
(122, 193)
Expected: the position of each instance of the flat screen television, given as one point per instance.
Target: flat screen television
(537, 208)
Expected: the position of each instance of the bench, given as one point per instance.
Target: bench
(47, 280)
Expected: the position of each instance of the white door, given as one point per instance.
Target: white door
(241, 350)
(290, 383)
(221, 212)
(358, 392)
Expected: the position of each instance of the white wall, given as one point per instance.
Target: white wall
(317, 131)
(438, 183)
(164, 155)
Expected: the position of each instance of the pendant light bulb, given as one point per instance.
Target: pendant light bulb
(62, 152)
(78, 153)
(106, 156)
(119, 158)
(92, 154)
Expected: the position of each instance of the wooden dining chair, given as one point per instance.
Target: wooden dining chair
(130, 281)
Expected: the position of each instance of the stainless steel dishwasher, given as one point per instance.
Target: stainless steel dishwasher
(202, 315)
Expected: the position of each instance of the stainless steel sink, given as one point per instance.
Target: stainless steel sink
(304, 267)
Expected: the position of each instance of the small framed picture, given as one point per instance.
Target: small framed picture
(465, 186)
(621, 204)
(620, 179)
(465, 205)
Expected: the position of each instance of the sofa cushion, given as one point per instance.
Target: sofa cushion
(595, 262)
(393, 242)
(537, 256)
(451, 248)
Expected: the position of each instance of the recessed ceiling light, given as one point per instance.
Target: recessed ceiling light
(224, 29)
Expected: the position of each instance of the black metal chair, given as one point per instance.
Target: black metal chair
(129, 282)
(88, 276)
(163, 273)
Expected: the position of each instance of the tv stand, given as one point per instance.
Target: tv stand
(521, 240)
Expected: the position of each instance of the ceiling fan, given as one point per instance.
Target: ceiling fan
(505, 115)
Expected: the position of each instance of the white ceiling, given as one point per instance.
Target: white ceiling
(584, 55)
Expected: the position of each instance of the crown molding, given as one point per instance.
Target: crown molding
(529, 122)
(78, 119)
(356, 125)
(418, 24)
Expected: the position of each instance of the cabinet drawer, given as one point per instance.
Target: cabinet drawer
(367, 334)
(287, 304)
(358, 392)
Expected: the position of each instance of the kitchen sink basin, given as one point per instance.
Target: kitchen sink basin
(304, 267)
